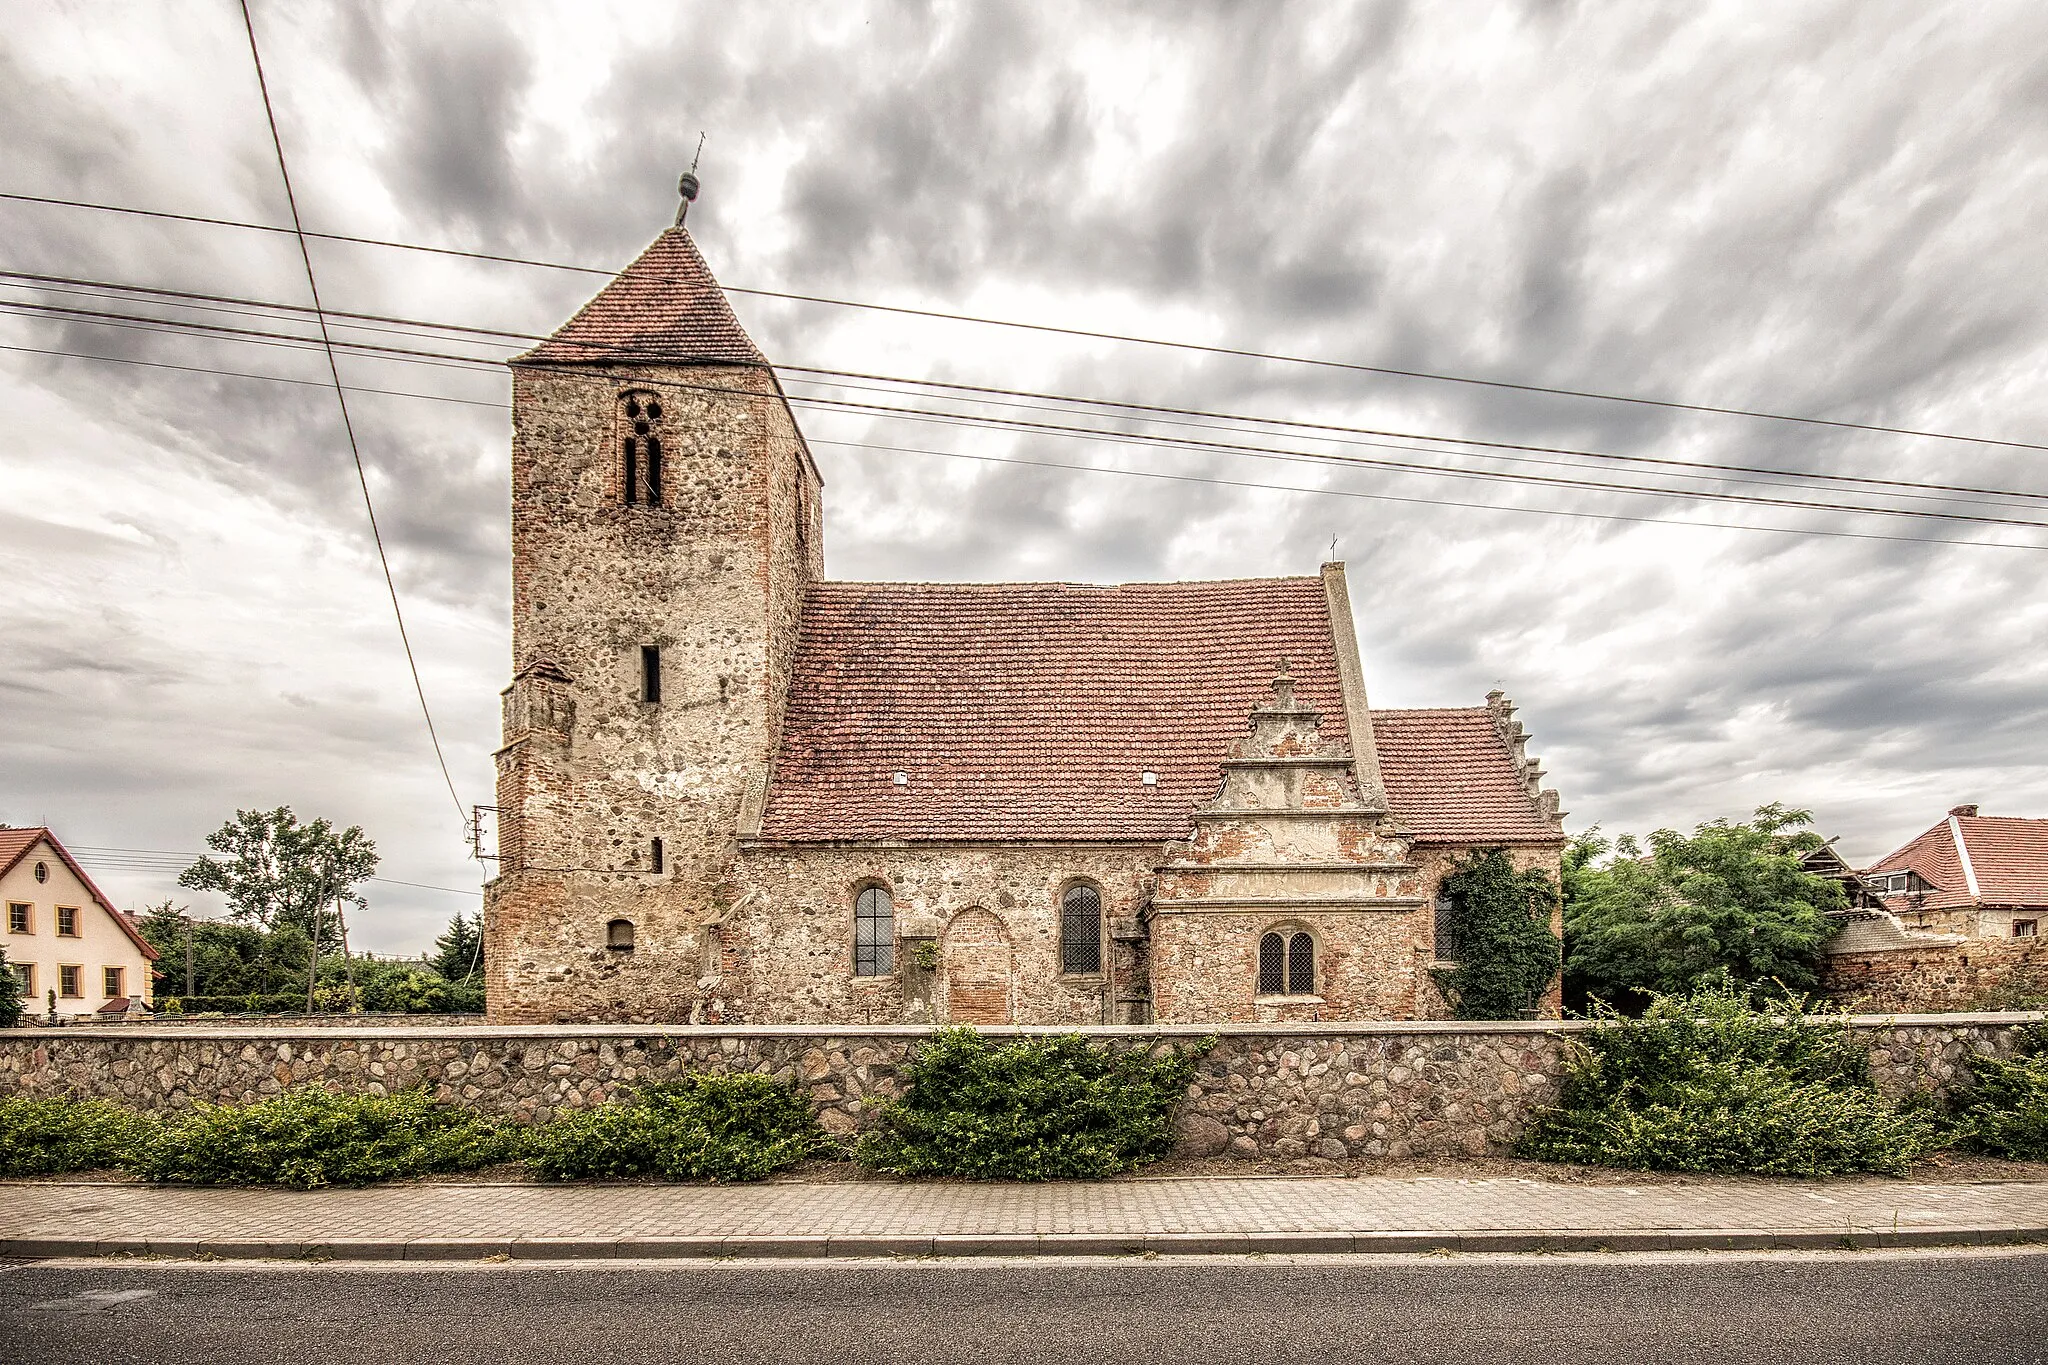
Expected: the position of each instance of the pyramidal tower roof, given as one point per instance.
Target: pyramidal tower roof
(664, 309)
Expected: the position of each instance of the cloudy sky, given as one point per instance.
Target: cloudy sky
(1829, 210)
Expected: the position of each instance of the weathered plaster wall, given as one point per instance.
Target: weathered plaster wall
(1939, 976)
(1282, 1091)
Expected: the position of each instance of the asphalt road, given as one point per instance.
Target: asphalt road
(1868, 1309)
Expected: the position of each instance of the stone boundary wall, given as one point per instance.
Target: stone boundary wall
(1939, 976)
(1265, 1092)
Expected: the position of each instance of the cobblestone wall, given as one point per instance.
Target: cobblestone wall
(1940, 976)
(1286, 1092)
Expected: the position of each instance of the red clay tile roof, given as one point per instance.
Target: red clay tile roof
(1029, 710)
(2009, 855)
(14, 846)
(1452, 779)
(665, 308)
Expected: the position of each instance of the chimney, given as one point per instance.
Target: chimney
(1970, 809)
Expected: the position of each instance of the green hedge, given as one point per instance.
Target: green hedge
(2006, 1111)
(1032, 1109)
(1710, 1082)
(51, 1136)
(703, 1127)
(314, 1136)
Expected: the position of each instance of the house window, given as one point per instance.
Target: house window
(1081, 931)
(67, 981)
(42, 872)
(650, 673)
(2026, 928)
(1287, 963)
(67, 921)
(618, 936)
(874, 932)
(110, 982)
(18, 920)
(25, 973)
(640, 448)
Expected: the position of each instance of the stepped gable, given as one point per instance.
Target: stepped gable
(663, 309)
(1452, 778)
(1031, 710)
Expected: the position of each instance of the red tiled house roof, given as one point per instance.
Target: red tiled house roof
(15, 845)
(2007, 856)
(663, 309)
(1028, 711)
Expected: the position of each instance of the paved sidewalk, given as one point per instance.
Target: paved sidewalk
(1227, 1215)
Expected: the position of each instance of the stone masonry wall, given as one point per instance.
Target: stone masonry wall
(1276, 1092)
(1939, 976)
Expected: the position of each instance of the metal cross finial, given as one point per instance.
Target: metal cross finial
(687, 186)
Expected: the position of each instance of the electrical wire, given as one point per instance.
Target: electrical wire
(348, 423)
(1015, 425)
(1178, 478)
(1234, 352)
(1156, 413)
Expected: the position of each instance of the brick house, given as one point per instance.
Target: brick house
(1979, 876)
(733, 790)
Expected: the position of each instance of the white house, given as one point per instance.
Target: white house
(62, 935)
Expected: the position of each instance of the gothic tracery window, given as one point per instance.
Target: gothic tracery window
(640, 447)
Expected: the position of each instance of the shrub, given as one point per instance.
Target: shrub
(314, 1136)
(12, 1006)
(1709, 1082)
(703, 1127)
(46, 1136)
(1506, 954)
(1032, 1109)
(2006, 1113)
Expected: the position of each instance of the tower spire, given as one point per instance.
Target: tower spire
(687, 186)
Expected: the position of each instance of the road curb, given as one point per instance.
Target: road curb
(871, 1246)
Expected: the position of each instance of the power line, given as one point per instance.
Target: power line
(1192, 478)
(1157, 413)
(347, 423)
(1233, 352)
(1015, 425)
(171, 860)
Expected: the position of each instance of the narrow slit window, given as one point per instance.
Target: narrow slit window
(654, 856)
(874, 933)
(654, 471)
(1446, 929)
(650, 673)
(632, 471)
(1081, 931)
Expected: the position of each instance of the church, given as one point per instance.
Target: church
(732, 790)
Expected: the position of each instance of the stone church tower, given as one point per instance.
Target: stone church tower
(665, 525)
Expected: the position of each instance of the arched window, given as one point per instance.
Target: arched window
(640, 447)
(1081, 930)
(1287, 963)
(874, 933)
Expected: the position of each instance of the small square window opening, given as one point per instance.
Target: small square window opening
(18, 920)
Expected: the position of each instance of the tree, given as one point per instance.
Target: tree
(1501, 939)
(277, 873)
(11, 1003)
(1729, 902)
(458, 954)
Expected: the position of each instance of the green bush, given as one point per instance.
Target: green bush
(46, 1136)
(314, 1136)
(2006, 1112)
(703, 1127)
(1709, 1082)
(1032, 1109)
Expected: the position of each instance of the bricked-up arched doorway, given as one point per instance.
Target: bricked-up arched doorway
(977, 969)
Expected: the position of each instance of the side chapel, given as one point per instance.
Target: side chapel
(732, 790)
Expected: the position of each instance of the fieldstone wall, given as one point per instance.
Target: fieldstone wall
(1939, 976)
(1273, 1092)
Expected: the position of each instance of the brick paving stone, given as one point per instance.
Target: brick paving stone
(590, 1220)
